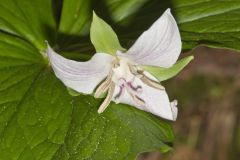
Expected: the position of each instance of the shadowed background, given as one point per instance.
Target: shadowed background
(208, 91)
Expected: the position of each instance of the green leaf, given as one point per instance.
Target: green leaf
(103, 37)
(121, 132)
(33, 119)
(123, 9)
(212, 23)
(75, 17)
(31, 20)
(163, 74)
(39, 120)
(74, 25)
(201, 22)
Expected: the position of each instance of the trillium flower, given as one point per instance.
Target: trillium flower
(121, 74)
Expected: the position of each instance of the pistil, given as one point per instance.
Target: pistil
(151, 83)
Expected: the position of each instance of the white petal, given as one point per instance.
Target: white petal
(81, 76)
(159, 46)
(156, 101)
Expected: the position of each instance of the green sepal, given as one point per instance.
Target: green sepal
(103, 37)
(163, 74)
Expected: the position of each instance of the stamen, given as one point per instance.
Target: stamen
(151, 83)
(139, 73)
(103, 86)
(133, 70)
(108, 99)
(139, 100)
(115, 63)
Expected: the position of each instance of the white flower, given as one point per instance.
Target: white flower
(121, 76)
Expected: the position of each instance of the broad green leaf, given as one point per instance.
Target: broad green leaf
(103, 37)
(123, 9)
(75, 17)
(118, 133)
(163, 74)
(31, 20)
(211, 23)
(33, 119)
(74, 25)
(39, 120)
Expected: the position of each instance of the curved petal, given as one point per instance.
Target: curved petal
(81, 76)
(159, 46)
(156, 101)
